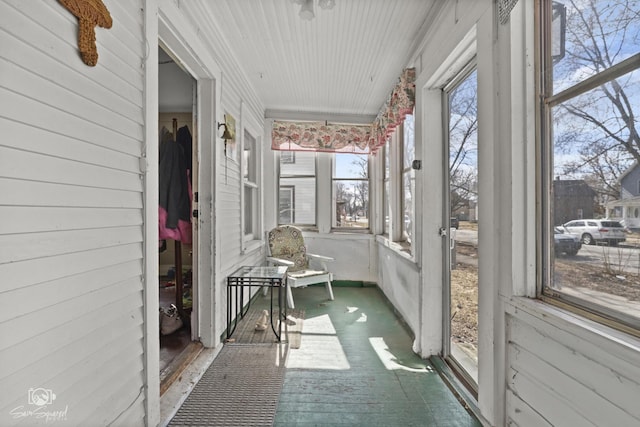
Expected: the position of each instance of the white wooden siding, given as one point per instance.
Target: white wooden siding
(229, 212)
(399, 279)
(558, 378)
(230, 183)
(71, 234)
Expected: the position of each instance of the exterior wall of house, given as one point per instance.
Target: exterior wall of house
(627, 208)
(72, 235)
(630, 184)
(574, 199)
(627, 211)
(303, 190)
(77, 248)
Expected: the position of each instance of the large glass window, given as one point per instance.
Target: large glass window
(399, 184)
(408, 177)
(250, 182)
(297, 189)
(590, 148)
(351, 190)
(386, 202)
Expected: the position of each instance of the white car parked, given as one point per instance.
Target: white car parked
(597, 231)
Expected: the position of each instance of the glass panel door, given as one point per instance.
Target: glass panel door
(461, 222)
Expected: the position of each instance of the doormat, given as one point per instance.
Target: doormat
(246, 333)
(240, 388)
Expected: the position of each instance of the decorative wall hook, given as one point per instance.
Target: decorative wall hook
(89, 13)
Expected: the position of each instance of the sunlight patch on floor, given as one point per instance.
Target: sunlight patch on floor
(389, 360)
(319, 325)
(320, 347)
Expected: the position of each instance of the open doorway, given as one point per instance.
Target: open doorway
(178, 232)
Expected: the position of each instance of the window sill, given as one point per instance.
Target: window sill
(401, 248)
(539, 312)
(304, 228)
(252, 246)
(346, 230)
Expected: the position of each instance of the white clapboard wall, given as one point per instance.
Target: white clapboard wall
(557, 377)
(71, 216)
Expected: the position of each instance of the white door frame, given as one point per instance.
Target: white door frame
(177, 36)
(165, 24)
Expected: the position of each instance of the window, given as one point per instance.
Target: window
(287, 157)
(399, 184)
(297, 189)
(387, 188)
(287, 201)
(589, 75)
(350, 190)
(408, 177)
(250, 183)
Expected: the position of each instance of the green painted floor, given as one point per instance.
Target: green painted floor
(355, 366)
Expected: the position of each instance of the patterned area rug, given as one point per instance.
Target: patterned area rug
(246, 333)
(243, 384)
(240, 388)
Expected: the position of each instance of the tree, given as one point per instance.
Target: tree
(599, 128)
(341, 192)
(361, 188)
(463, 144)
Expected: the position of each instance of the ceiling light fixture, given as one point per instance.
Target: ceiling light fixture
(306, 11)
(306, 7)
(326, 4)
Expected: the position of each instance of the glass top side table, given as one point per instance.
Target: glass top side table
(262, 276)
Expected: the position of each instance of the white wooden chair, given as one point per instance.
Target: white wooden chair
(286, 247)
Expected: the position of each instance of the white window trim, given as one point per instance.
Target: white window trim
(324, 213)
(384, 230)
(603, 317)
(407, 170)
(395, 187)
(310, 227)
(396, 236)
(252, 241)
(333, 178)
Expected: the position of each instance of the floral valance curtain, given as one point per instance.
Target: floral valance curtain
(400, 103)
(319, 136)
(340, 138)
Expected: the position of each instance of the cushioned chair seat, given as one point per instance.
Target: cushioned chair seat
(307, 273)
(286, 246)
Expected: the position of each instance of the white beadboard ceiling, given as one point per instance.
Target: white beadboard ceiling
(344, 62)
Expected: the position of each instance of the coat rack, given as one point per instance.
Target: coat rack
(178, 248)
